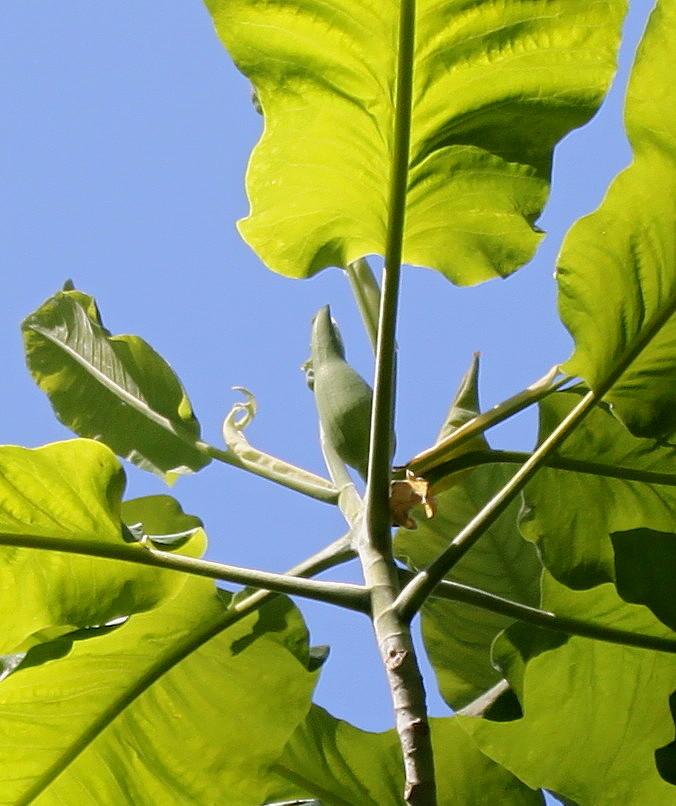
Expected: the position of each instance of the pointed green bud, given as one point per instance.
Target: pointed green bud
(465, 407)
(342, 396)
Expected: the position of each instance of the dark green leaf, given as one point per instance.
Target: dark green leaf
(645, 568)
(116, 389)
(458, 636)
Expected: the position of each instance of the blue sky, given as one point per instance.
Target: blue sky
(124, 139)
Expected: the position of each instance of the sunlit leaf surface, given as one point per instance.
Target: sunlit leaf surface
(617, 269)
(495, 85)
(593, 713)
(69, 490)
(167, 709)
(344, 766)
(572, 514)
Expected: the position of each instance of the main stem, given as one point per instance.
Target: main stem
(374, 545)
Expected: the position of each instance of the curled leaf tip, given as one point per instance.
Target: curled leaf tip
(238, 418)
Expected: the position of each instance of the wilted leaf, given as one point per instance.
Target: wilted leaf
(617, 269)
(68, 490)
(116, 389)
(494, 87)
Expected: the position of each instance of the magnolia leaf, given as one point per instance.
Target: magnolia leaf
(69, 491)
(183, 706)
(572, 514)
(457, 636)
(600, 761)
(494, 87)
(116, 389)
(617, 269)
(342, 765)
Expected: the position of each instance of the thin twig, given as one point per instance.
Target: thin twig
(420, 587)
(456, 592)
(428, 460)
(566, 463)
(354, 597)
(366, 292)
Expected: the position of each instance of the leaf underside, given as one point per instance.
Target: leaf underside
(116, 389)
(617, 269)
(69, 490)
(176, 710)
(495, 86)
(457, 636)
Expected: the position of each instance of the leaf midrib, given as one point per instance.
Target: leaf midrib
(138, 404)
(191, 644)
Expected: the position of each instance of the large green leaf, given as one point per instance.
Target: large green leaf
(617, 270)
(494, 86)
(344, 766)
(116, 389)
(170, 708)
(593, 713)
(69, 490)
(457, 636)
(572, 514)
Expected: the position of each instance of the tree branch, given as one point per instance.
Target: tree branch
(374, 545)
(414, 594)
(353, 597)
(476, 458)
(456, 592)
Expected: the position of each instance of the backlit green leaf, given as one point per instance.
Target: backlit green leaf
(173, 708)
(68, 490)
(344, 766)
(494, 86)
(572, 514)
(593, 713)
(116, 389)
(457, 636)
(617, 270)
